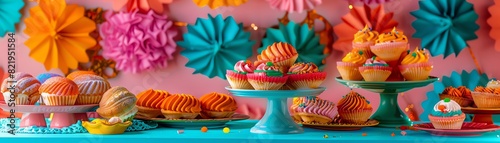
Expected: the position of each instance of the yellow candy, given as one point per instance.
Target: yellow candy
(226, 130)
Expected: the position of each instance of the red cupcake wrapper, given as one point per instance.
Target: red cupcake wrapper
(235, 75)
(307, 76)
(263, 78)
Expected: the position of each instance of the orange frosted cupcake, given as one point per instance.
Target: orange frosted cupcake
(181, 106)
(218, 105)
(447, 114)
(282, 54)
(486, 97)
(267, 76)
(91, 88)
(375, 69)
(390, 46)
(461, 95)
(354, 108)
(25, 91)
(118, 102)
(312, 109)
(59, 91)
(363, 39)
(75, 74)
(149, 102)
(237, 77)
(305, 75)
(349, 67)
(416, 66)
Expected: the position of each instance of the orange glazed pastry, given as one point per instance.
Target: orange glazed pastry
(181, 106)
(354, 108)
(282, 54)
(461, 95)
(91, 88)
(118, 102)
(149, 102)
(486, 97)
(218, 105)
(75, 74)
(25, 90)
(59, 91)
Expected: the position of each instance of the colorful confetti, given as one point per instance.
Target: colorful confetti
(325, 136)
(364, 134)
(226, 130)
(204, 129)
(393, 134)
(403, 133)
(180, 131)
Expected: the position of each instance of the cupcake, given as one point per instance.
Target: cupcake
(305, 76)
(313, 109)
(25, 89)
(493, 84)
(375, 69)
(91, 88)
(486, 97)
(363, 39)
(349, 67)
(354, 108)
(416, 66)
(237, 77)
(59, 91)
(74, 74)
(118, 102)
(149, 103)
(447, 114)
(267, 76)
(181, 106)
(282, 54)
(390, 46)
(218, 105)
(42, 78)
(461, 95)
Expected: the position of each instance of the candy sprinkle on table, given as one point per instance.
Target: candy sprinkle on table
(226, 130)
(325, 136)
(393, 134)
(204, 129)
(364, 134)
(180, 131)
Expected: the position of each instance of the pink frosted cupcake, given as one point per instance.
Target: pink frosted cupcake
(313, 109)
(447, 114)
(416, 66)
(267, 77)
(237, 77)
(305, 75)
(349, 67)
(390, 46)
(363, 39)
(375, 69)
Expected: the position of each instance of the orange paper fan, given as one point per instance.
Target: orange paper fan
(494, 22)
(356, 20)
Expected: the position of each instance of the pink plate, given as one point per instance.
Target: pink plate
(49, 109)
(468, 129)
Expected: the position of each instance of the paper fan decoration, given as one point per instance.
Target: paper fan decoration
(137, 41)
(144, 6)
(9, 15)
(213, 45)
(368, 1)
(494, 22)
(304, 39)
(469, 80)
(445, 26)
(294, 5)
(59, 34)
(214, 4)
(356, 20)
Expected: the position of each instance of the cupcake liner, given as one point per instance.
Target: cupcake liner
(178, 115)
(310, 118)
(486, 100)
(88, 99)
(451, 123)
(389, 51)
(365, 47)
(263, 82)
(22, 100)
(215, 114)
(306, 81)
(286, 62)
(462, 101)
(349, 71)
(355, 116)
(54, 100)
(414, 72)
(148, 112)
(238, 81)
(375, 73)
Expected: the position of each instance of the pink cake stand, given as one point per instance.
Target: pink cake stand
(64, 116)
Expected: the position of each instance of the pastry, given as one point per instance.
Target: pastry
(416, 65)
(59, 91)
(118, 102)
(354, 108)
(349, 66)
(363, 39)
(282, 54)
(91, 88)
(375, 69)
(447, 114)
(218, 105)
(461, 95)
(267, 76)
(181, 106)
(237, 77)
(493, 84)
(25, 89)
(305, 76)
(149, 102)
(390, 46)
(486, 97)
(74, 74)
(313, 109)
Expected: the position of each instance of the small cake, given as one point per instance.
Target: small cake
(267, 76)
(44, 76)
(91, 88)
(354, 108)
(218, 105)
(461, 95)
(363, 39)
(305, 76)
(486, 97)
(282, 54)
(149, 102)
(375, 69)
(75, 74)
(118, 102)
(25, 89)
(416, 65)
(447, 114)
(237, 77)
(313, 109)
(493, 84)
(390, 46)
(59, 91)
(181, 106)
(349, 67)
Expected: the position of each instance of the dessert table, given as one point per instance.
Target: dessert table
(240, 133)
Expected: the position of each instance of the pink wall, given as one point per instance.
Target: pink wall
(178, 79)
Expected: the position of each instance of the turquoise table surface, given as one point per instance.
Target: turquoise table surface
(240, 133)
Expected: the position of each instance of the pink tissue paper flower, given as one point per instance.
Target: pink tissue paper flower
(368, 1)
(137, 41)
(294, 5)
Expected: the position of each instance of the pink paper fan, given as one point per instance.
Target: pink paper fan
(142, 5)
(368, 1)
(356, 20)
(494, 22)
(294, 5)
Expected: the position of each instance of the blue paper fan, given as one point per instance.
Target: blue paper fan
(305, 41)
(445, 25)
(213, 45)
(9, 15)
(470, 80)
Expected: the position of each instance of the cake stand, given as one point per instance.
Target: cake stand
(481, 115)
(277, 119)
(33, 115)
(388, 113)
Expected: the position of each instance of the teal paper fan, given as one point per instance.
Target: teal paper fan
(445, 26)
(9, 15)
(305, 41)
(214, 45)
(469, 80)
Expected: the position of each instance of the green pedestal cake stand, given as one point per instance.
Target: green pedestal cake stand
(388, 113)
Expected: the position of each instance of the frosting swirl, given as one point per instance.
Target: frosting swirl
(278, 52)
(446, 108)
(365, 35)
(393, 36)
(355, 57)
(218, 102)
(182, 103)
(314, 105)
(268, 69)
(244, 67)
(353, 101)
(302, 68)
(417, 56)
(374, 61)
(151, 98)
(487, 90)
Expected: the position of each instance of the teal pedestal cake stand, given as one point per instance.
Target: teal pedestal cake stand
(277, 119)
(388, 113)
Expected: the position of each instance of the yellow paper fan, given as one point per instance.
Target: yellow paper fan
(59, 34)
(213, 4)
